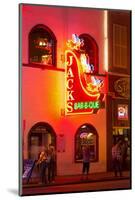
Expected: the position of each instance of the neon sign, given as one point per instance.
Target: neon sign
(86, 105)
(86, 135)
(84, 91)
(123, 112)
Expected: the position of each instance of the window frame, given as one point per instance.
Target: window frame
(97, 143)
(123, 19)
(94, 46)
(45, 126)
(120, 45)
(54, 46)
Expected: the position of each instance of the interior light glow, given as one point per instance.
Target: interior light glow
(40, 43)
(84, 126)
(89, 135)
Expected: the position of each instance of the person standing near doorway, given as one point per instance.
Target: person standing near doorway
(86, 161)
(51, 164)
(117, 158)
(43, 166)
(124, 148)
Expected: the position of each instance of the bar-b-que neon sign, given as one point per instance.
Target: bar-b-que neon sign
(83, 90)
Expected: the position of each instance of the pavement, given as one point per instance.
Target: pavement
(77, 179)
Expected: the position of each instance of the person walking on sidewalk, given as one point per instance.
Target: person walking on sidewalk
(86, 161)
(117, 158)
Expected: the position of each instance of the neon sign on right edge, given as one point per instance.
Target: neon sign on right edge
(123, 112)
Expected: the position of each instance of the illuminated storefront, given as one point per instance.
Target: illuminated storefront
(65, 86)
(119, 81)
(119, 102)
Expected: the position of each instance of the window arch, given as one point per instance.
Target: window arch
(41, 135)
(42, 46)
(86, 135)
(91, 49)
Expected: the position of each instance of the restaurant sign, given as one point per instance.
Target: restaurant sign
(84, 91)
(120, 86)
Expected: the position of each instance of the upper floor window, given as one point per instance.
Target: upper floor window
(90, 48)
(119, 41)
(120, 46)
(42, 46)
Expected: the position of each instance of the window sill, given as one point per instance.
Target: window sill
(42, 66)
(80, 161)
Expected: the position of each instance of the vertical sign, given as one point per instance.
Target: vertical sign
(84, 91)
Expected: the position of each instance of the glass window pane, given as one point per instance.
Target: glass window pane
(119, 46)
(116, 34)
(86, 136)
(90, 48)
(124, 57)
(116, 56)
(124, 36)
(41, 46)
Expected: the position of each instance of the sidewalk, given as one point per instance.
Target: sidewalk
(76, 179)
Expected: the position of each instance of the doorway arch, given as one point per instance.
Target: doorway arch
(86, 134)
(40, 136)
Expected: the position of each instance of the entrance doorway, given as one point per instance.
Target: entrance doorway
(41, 135)
(123, 134)
(86, 135)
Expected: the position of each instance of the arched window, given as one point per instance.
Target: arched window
(40, 136)
(42, 46)
(91, 49)
(86, 135)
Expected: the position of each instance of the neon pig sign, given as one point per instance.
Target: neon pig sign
(84, 91)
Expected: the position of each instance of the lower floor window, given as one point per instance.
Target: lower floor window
(86, 135)
(41, 136)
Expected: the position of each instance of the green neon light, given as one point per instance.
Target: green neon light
(86, 105)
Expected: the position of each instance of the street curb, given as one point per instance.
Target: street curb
(77, 182)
